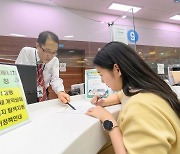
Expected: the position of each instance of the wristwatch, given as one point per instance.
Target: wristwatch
(108, 125)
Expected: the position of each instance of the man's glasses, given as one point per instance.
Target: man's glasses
(48, 52)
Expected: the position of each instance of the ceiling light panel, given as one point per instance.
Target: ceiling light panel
(125, 8)
(176, 17)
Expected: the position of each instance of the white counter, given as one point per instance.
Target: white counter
(52, 132)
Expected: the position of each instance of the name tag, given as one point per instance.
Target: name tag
(39, 91)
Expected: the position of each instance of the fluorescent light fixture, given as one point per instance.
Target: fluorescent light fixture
(152, 52)
(176, 17)
(121, 7)
(18, 35)
(69, 36)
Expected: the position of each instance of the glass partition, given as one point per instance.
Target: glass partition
(92, 32)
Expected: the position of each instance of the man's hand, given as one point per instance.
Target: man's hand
(63, 97)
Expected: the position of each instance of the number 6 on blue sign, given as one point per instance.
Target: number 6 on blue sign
(132, 36)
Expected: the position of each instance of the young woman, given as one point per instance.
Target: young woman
(149, 121)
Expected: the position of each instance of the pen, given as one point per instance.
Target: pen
(71, 106)
(100, 97)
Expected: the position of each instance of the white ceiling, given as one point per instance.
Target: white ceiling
(156, 10)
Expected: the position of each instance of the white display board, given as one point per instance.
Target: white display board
(119, 33)
(94, 85)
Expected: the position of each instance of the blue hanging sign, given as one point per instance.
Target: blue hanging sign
(132, 36)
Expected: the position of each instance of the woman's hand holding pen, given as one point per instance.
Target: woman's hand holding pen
(98, 101)
(63, 97)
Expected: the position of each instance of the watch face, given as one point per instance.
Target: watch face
(108, 125)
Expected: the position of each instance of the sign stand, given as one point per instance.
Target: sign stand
(13, 104)
(94, 85)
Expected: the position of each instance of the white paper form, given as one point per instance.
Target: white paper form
(80, 106)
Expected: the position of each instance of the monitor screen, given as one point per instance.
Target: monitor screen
(28, 75)
(176, 69)
(79, 86)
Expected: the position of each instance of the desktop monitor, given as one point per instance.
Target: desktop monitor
(28, 75)
(176, 76)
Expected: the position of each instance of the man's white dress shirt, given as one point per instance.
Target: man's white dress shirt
(29, 56)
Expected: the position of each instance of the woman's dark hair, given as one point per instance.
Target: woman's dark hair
(136, 74)
(43, 36)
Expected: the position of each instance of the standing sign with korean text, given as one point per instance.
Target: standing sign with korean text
(13, 104)
(94, 85)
